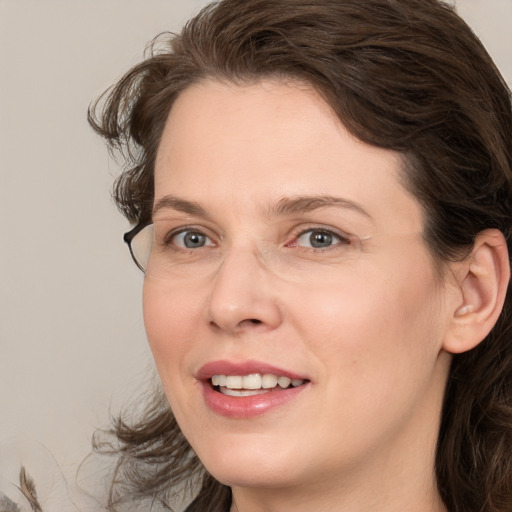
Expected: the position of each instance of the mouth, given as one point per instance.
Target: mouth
(246, 389)
(252, 384)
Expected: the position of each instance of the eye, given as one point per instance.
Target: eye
(319, 239)
(190, 239)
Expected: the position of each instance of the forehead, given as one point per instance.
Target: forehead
(246, 145)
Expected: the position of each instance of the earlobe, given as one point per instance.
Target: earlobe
(483, 281)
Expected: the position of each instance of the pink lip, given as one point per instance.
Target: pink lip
(247, 406)
(242, 368)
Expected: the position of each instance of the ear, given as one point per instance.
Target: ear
(482, 278)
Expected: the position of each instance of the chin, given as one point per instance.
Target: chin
(255, 476)
(254, 464)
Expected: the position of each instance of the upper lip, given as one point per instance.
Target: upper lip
(225, 367)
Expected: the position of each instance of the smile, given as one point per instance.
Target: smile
(252, 384)
(246, 389)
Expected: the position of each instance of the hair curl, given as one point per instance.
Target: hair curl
(407, 75)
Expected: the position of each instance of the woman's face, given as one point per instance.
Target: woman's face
(286, 248)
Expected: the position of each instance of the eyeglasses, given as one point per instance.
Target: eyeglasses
(140, 241)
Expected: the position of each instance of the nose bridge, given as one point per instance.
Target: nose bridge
(242, 295)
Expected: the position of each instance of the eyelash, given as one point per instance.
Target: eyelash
(170, 239)
(342, 239)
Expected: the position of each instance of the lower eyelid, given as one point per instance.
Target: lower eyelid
(337, 237)
(171, 239)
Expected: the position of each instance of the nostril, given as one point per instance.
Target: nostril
(247, 322)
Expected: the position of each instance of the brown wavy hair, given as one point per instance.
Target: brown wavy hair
(407, 75)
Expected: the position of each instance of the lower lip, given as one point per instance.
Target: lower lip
(248, 406)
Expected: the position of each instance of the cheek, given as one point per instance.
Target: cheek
(377, 353)
(172, 320)
(169, 317)
(375, 330)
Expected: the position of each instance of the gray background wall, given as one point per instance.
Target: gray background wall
(71, 337)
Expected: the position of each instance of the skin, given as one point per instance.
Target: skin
(365, 322)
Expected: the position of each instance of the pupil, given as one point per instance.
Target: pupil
(194, 240)
(319, 239)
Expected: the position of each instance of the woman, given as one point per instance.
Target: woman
(322, 199)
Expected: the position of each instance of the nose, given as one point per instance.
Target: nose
(243, 297)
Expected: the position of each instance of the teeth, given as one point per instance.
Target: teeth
(242, 392)
(269, 381)
(253, 382)
(284, 382)
(234, 382)
(219, 380)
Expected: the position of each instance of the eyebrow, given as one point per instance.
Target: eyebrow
(304, 204)
(285, 206)
(180, 205)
